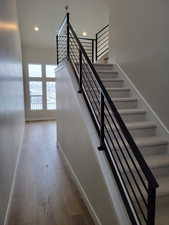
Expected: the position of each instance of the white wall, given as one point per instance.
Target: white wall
(139, 42)
(11, 101)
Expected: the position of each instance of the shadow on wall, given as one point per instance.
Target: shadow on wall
(11, 101)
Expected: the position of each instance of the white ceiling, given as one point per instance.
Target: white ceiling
(85, 15)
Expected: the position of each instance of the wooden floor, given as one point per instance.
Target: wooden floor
(44, 194)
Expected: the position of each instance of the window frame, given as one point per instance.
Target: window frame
(44, 79)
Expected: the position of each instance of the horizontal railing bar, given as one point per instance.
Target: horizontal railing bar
(89, 39)
(104, 34)
(102, 48)
(74, 44)
(103, 52)
(102, 29)
(89, 45)
(103, 41)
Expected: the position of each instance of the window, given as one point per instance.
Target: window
(50, 70)
(42, 88)
(35, 88)
(35, 70)
(51, 95)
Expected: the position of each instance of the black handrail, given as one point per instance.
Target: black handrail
(85, 72)
(102, 29)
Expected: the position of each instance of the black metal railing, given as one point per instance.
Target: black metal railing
(136, 183)
(95, 48)
(88, 45)
(102, 42)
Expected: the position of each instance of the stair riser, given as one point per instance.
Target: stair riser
(146, 132)
(150, 150)
(107, 75)
(104, 68)
(134, 117)
(115, 93)
(161, 171)
(157, 171)
(126, 105)
(112, 84)
(123, 105)
(119, 94)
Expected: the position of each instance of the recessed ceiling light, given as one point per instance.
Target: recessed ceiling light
(36, 28)
(84, 34)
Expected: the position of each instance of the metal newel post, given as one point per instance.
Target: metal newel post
(151, 205)
(80, 71)
(57, 49)
(101, 147)
(67, 36)
(92, 50)
(96, 49)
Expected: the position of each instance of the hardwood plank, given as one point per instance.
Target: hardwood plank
(44, 193)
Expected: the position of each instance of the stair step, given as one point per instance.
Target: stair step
(115, 92)
(156, 163)
(152, 145)
(125, 103)
(163, 189)
(139, 129)
(148, 145)
(142, 129)
(107, 74)
(159, 164)
(133, 115)
(103, 64)
(118, 92)
(116, 82)
(105, 67)
(158, 160)
(122, 103)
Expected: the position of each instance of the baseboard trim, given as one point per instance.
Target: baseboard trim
(14, 180)
(41, 119)
(80, 188)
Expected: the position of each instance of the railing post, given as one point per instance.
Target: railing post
(151, 205)
(67, 36)
(96, 48)
(57, 49)
(101, 147)
(92, 50)
(80, 71)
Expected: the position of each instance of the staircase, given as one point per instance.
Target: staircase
(144, 131)
(134, 147)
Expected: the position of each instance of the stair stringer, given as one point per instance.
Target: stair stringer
(79, 141)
